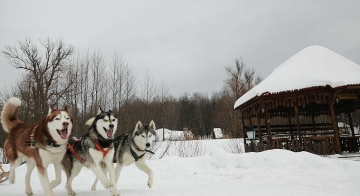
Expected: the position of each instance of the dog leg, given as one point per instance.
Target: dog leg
(13, 166)
(30, 168)
(143, 167)
(103, 179)
(93, 187)
(57, 181)
(74, 172)
(117, 172)
(101, 176)
(44, 178)
(110, 169)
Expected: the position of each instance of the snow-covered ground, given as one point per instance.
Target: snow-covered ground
(218, 172)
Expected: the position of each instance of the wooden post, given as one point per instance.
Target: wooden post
(351, 124)
(259, 126)
(268, 126)
(298, 124)
(243, 125)
(313, 120)
(335, 125)
(291, 131)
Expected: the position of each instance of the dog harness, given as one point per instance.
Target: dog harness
(71, 148)
(97, 145)
(102, 150)
(136, 157)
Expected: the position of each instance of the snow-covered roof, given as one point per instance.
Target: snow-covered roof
(312, 66)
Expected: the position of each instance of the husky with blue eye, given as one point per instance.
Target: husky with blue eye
(132, 148)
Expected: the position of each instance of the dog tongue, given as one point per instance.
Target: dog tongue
(63, 133)
(109, 133)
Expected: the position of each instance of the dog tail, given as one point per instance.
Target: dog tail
(8, 117)
(90, 121)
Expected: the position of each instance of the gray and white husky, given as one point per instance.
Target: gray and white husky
(132, 148)
(92, 150)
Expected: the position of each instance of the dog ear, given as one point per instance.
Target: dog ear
(90, 121)
(50, 110)
(138, 125)
(152, 125)
(65, 108)
(99, 111)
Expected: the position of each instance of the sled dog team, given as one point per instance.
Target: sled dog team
(47, 142)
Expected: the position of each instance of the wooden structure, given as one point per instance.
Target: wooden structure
(308, 102)
(313, 85)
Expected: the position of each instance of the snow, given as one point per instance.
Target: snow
(312, 66)
(347, 127)
(172, 135)
(218, 172)
(218, 133)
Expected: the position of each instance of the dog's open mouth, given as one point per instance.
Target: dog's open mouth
(63, 133)
(109, 132)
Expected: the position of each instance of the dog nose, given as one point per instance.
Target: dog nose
(65, 124)
(147, 145)
(111, 126)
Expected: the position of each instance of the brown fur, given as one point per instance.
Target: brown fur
(19, 134)
(46, 150)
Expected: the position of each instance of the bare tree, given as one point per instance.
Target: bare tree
(240, 80)
(44, 69)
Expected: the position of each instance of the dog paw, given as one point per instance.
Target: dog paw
(93, 188)
(29, 192)
(150, 183)
(11, 181)
(54, 184)
(114, 192)
(109, 185)
(71, 193)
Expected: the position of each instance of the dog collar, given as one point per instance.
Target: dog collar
(50, 143)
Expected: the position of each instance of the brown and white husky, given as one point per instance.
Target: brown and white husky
(40, 144)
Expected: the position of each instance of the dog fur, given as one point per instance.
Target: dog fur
(138, 142)
(101, 131)
(50, 136)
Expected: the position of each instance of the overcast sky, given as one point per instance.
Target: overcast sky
(185, 43)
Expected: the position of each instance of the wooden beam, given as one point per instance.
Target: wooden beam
(335, 125)
(243, 125)
(351, 124)
(313, 120)
(298, 123)
(291, 131)
(259, 126)
(268, 126)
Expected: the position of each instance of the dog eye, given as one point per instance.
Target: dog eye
(57, 118)
(113, 120)
(142, 136)
(105, 120)
(150, 135)
(67, 118)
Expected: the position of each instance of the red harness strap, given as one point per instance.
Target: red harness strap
(71, 148)
(101, 149)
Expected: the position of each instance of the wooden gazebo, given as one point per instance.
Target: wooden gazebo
(285, 107)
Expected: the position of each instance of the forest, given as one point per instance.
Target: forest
(56, 74)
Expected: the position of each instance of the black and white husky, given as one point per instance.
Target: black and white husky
(92, 150)
(132, 148)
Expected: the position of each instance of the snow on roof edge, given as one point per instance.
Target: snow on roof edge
(306, 66)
